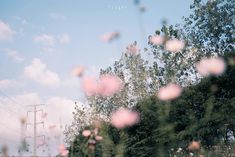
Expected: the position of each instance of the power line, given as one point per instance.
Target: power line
(8, 110)
(12, 100)
(35, 123)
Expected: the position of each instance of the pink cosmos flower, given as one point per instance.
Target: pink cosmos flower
(109, 85)
(169, 92)
(44, 115)
(98, 138)
(106, 86)
(156, 40)
(108, 37)
(41, 142)
(124, 118)
(90, 86)
(194, 145)
(96, 130)
(86, 133)
(174, 45)
(78, 71)
(133, 49)
(63, 151)
(214, 66)
(51, 127)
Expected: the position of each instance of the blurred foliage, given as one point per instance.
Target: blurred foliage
(206, 110)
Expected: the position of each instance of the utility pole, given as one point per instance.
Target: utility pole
(34, 124)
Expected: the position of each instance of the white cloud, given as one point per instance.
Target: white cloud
(64, 39)
(45, 40)
(57, 16)
(13, 54)
(6, 83)
(6, 33)
(39, 72)
(63, 107)
(59, 110)
(20, 19)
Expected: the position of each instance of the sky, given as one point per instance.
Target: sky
(42, 41)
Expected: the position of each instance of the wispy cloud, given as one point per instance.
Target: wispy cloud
(49, 41)
(45, 39)
(7, 83)
(13, 54)
(20, 19)
(57, 16)
(64, 39)
(6, 33)
(39, 72)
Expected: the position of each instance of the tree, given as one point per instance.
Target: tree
(210, 27)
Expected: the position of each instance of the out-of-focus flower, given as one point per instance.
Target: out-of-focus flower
(51, 127)
(106, 86)
(95, 131)
(214, 66)
(91, 144)
(179, 150)
(23, 120)
(156, 40)
(169, 92)
(96, 123)
(194, 145)
(86, 133)
(44, 115)
(132, 49)
(98, 138)
(109, 85)
(89, 86)
(4, 151)
(124, 118)
(174, 45)
(41, 142)
(137, 2)
(78, 71)
(63, 151)
(108, 37)
(143, 8)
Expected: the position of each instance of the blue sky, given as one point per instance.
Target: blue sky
(56, 35)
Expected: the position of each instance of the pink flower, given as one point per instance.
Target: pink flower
(194, 145)
(51, 127)
(133, 49)
(98, 138)
(109, 85)
(174, 45)
(78, 71)
(41, 142)
(44, 115)
(156, 40)
(89, 86)
(108, 37)
(124, 118)
(169, 92)
(86, 133)
(214, 66)
(63, 151)
(106, 86)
